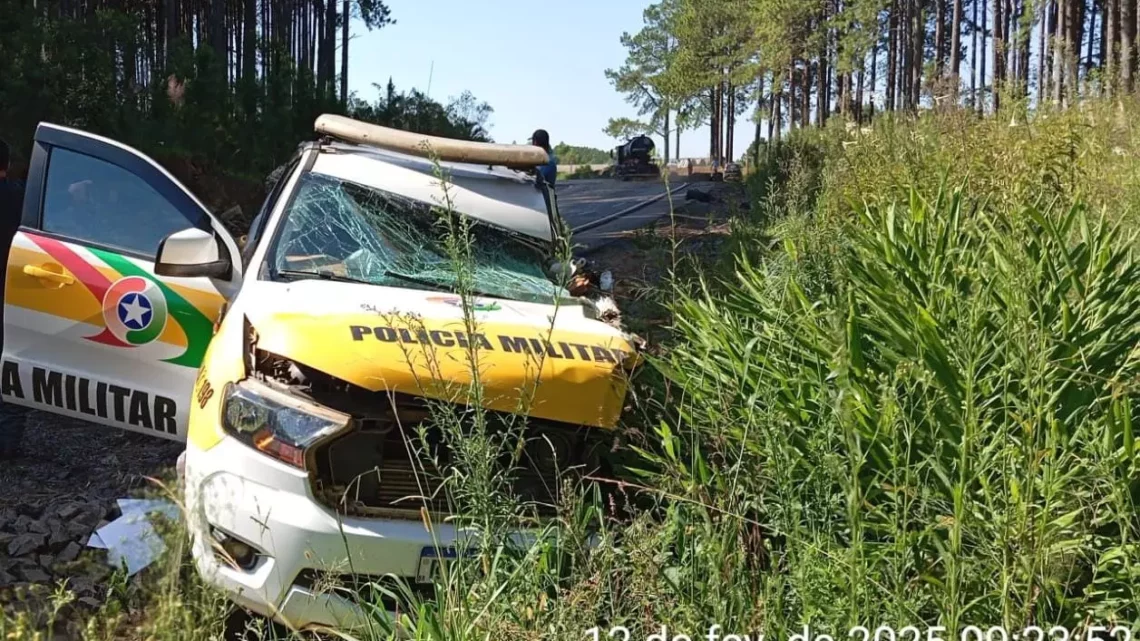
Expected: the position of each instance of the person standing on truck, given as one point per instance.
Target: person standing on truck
(12, 417)
(549, 171)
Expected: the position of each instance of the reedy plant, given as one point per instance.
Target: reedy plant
(947, 431)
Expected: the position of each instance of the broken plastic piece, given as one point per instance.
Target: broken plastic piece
(131, 540)
(606, 281)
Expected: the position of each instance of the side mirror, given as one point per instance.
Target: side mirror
(191, 253)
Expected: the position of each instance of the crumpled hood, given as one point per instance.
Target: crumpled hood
(417, 342)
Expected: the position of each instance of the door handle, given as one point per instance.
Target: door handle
(62, 278)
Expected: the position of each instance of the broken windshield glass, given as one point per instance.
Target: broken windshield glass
(354, 232)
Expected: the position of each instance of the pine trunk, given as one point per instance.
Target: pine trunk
(955, 45)
(330, 59)
(1059, 52)
(217, 29)
(1074, 39)
(1089, 49)
(170, 22)
(730, 130)
(917, 57)
(1127, 43)
(775, 123)
(712, 124)
(874, 81)
(759, 121)
(1024, 35)
(345, 16)
(792, 80)
(939, 37)
(805, 96)
(902, 97)
(982, 66)
(1043, 49)
(892, 55)
(1109, 43)
(823, 88)
(322, 45)
(974, 53)
(999, 54)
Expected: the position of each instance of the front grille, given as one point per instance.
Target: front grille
(389, 467)
(393, 461)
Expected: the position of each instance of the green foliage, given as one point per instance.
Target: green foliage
(643, 78)
(715, 44)
(573, 155)
(945, 425)
(464, 117)
(72, 72)
(374, 13)
(623, 129)
(923, 402)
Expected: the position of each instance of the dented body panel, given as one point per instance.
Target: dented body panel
(304, 362)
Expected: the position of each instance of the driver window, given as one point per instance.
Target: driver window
(89, 200)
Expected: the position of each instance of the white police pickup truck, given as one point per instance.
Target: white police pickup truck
(296, 367)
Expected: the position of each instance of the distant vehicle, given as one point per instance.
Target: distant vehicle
(634, 159)
(733, 172)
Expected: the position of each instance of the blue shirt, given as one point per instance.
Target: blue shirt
(549, 171)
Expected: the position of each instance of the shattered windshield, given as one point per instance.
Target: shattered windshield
(340, 230)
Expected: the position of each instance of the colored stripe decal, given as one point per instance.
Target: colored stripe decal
(199, 329)
(92, 279)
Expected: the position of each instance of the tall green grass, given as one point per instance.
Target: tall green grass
(918, 408)
(945, 438)
(913, 408)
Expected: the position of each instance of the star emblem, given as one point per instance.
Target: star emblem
(135, 311)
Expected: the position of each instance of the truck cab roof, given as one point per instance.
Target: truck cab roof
(497, 196)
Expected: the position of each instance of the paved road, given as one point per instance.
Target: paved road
(584, 202)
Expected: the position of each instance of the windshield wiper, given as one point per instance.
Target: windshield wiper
(432, 284)
(321, 275)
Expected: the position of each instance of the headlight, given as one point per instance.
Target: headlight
(276, 423)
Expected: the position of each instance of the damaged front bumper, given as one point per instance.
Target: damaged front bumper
(276, 518)
(304, 554)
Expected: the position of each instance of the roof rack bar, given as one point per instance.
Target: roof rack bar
(424, 146)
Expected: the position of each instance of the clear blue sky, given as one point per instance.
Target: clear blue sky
(538, 64)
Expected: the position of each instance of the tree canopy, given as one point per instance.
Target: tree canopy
(574, 155)
(232, 83)
(644, 78)
(798, 63)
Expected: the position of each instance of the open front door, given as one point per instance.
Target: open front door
(90, 330)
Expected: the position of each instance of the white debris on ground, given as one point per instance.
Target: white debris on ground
(131, 539)
(56, 495)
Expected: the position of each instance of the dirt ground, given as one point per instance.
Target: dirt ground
(62, 488)
(641, 259)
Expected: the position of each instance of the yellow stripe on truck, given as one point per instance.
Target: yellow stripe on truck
(582, 380)
(77, 304)
(221, 366)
